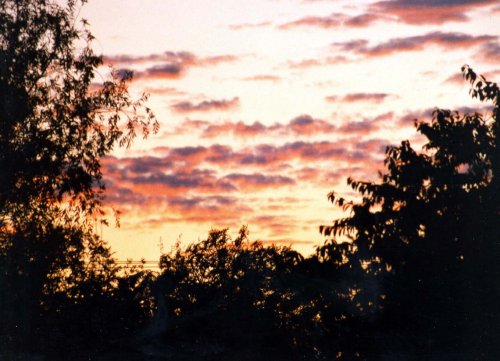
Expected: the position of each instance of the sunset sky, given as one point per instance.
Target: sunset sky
(267, 105)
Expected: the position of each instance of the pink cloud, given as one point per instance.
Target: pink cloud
(449, 41)
(263, 77)
(310, 63)
(359, 127)
(374, 146)
(210, 184)
(164, 91)
(490, 52)
(424, 12)
(199, 180)
(250, 25)
(305, 124)
(333, 21)
(426, 114)
(326, 22)
(186, 168)
(206, 105)
(359, 97)
(255, 181)
(363, 20)
(302, 125)
(458, 78)
(238, 128)
(168, 65)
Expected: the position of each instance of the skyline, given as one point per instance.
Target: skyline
(266, 107)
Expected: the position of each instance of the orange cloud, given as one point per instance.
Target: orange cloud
(318, 176)
(277, 225)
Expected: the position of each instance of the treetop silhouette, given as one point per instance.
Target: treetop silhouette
(429, 230)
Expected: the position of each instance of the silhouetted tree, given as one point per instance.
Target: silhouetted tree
(58, 118)
(242, 300)
(229, 297)
(428, 232)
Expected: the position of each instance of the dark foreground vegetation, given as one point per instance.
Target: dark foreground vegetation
(411, 273)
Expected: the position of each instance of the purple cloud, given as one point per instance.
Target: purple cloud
(206, 105)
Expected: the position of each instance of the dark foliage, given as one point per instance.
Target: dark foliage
(56, 123)
(229, 295)
(242, 300)
(430, 230)
(411, 273)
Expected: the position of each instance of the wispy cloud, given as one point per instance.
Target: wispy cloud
(212, 168)
(301, 125)
(359, 127)
(458, 78)
(333, 21)
(206, 105)
(279, 225)
(184, 58)
(199, 180)
(238, 129)
(258, 180)
(263, 77)
(426, 114)
(167, 91)
(449, 41)
(162, 71)
(424, 12)
(306, 124)
(167, 65)
(490, 52)
(317, 62)
(250, 25)
(213, 205)
(359, 97)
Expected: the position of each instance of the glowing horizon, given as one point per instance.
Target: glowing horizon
(266, 106)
